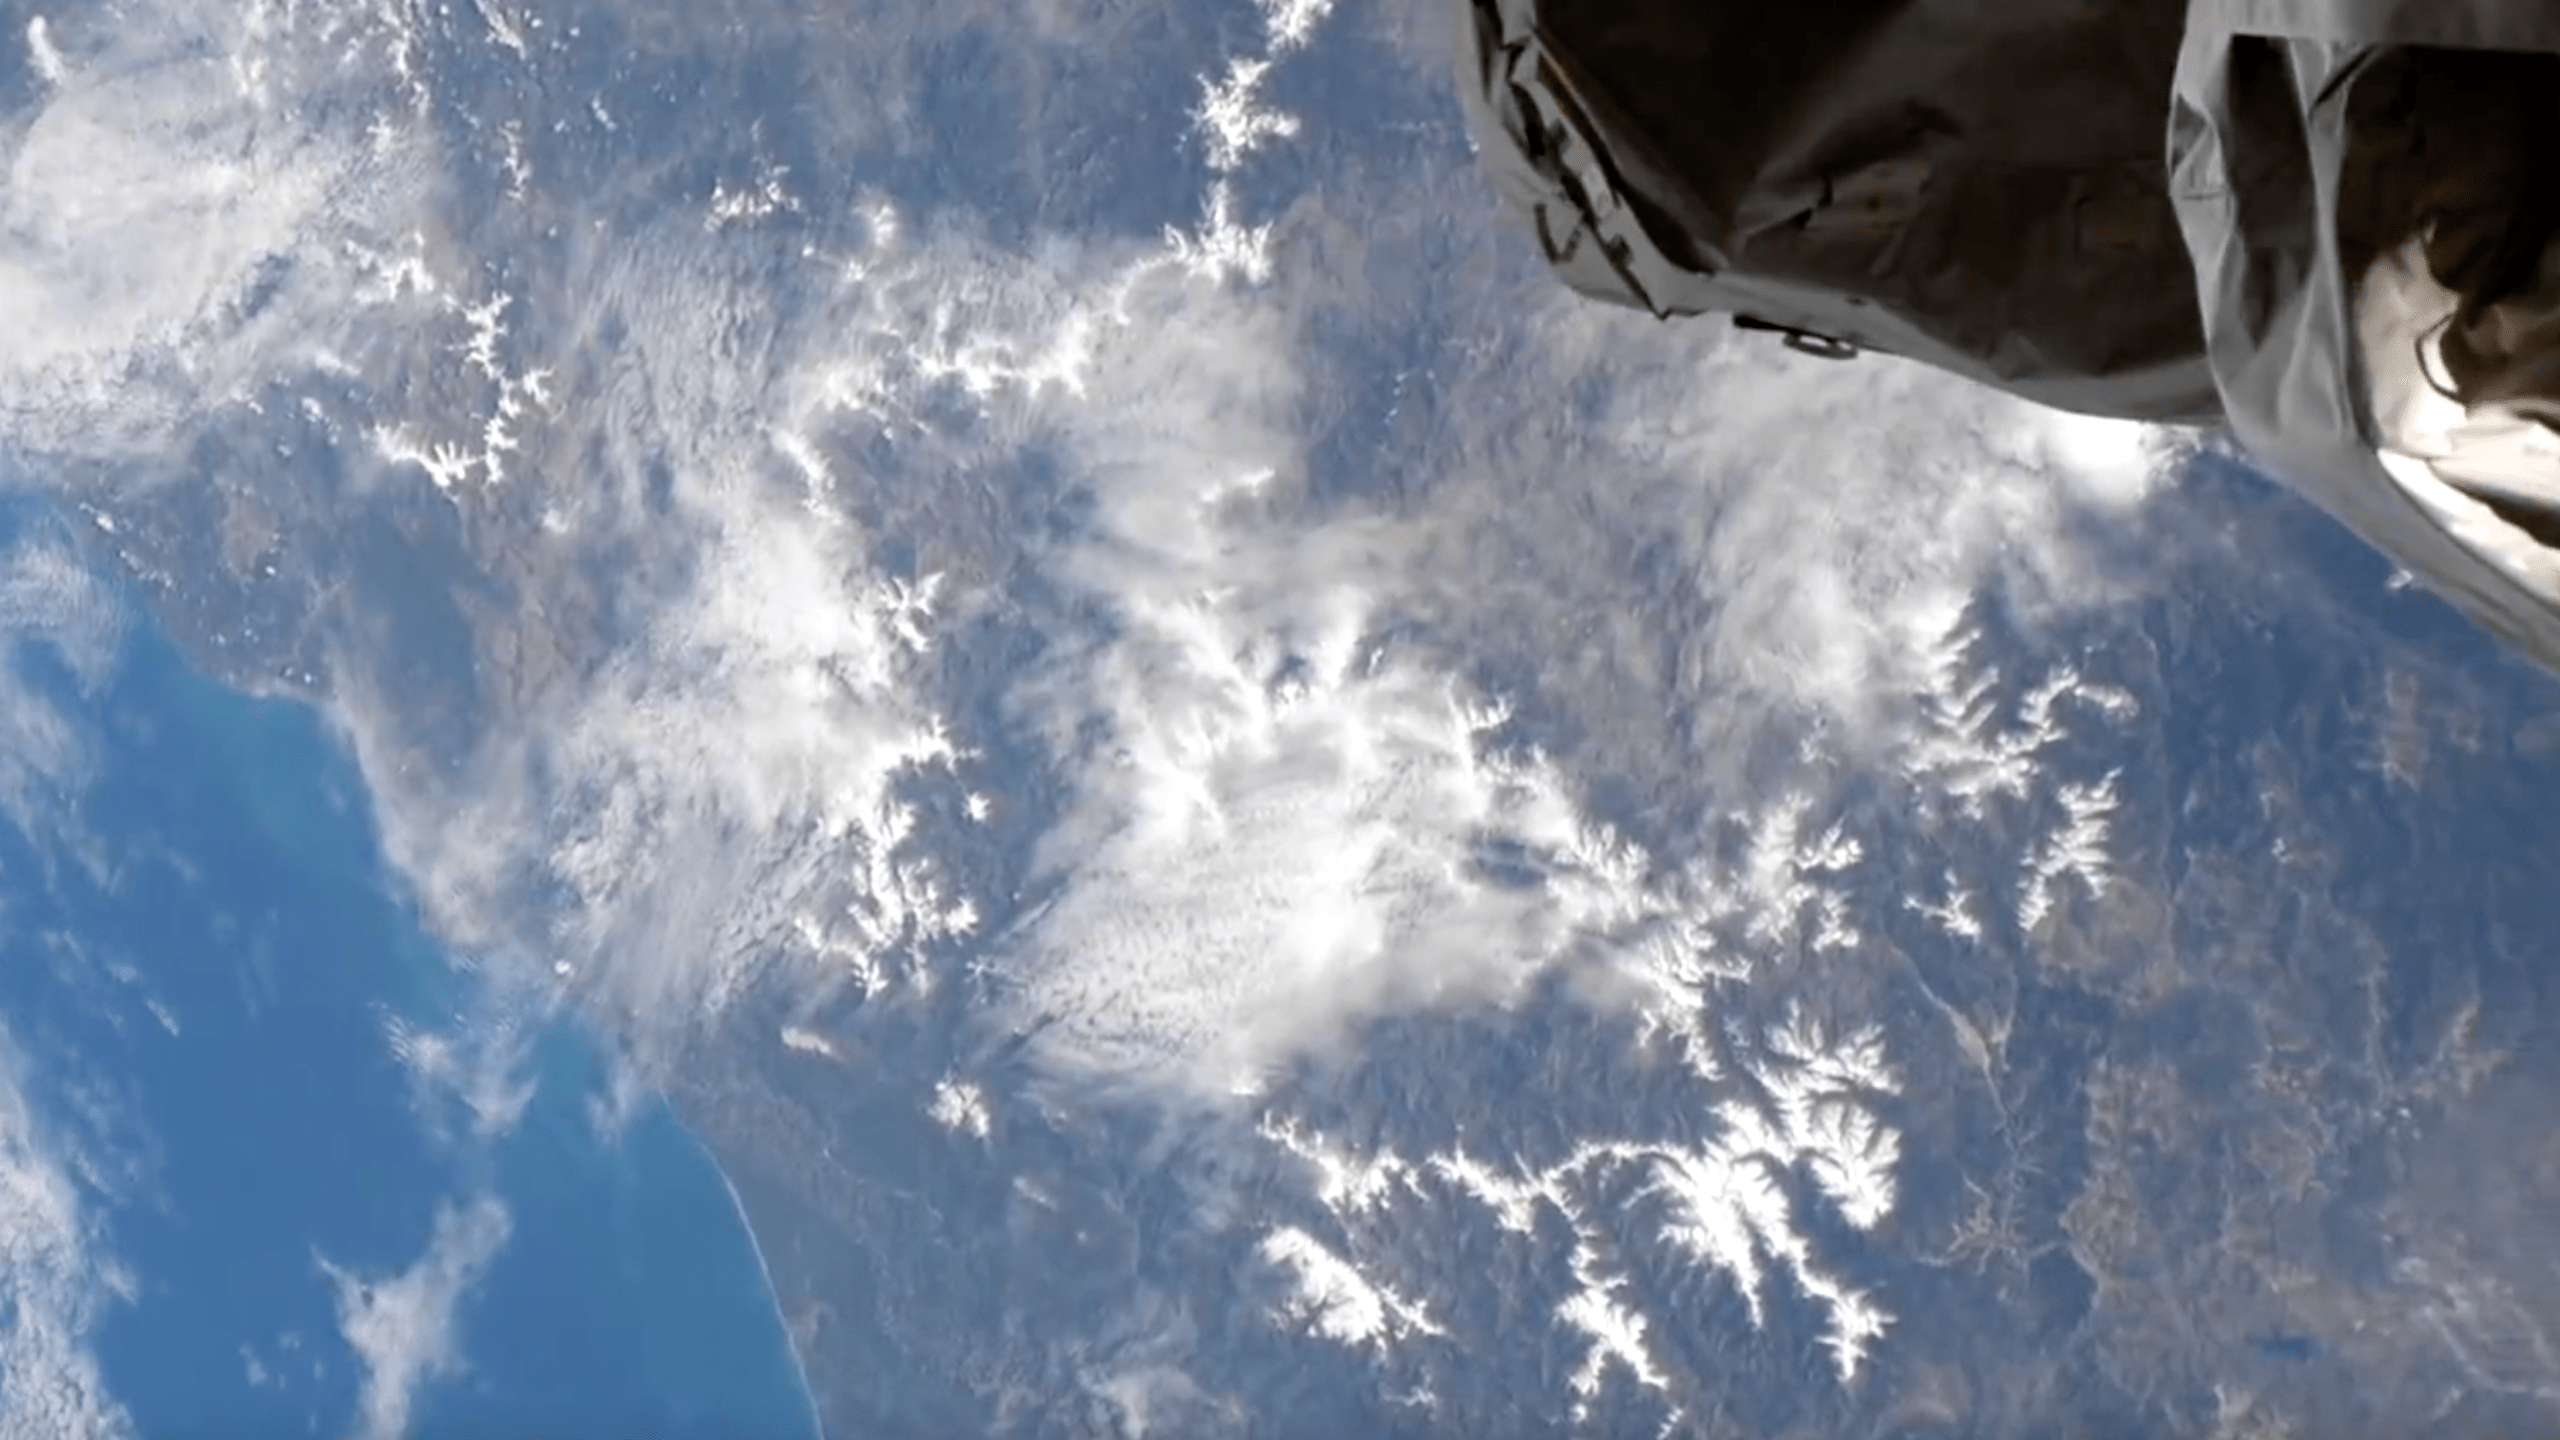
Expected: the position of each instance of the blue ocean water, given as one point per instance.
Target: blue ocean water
(198, 960)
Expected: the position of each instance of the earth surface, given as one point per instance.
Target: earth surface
(765, 719)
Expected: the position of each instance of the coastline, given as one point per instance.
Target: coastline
(764, 1272)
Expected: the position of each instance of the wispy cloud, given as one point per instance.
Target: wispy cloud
(723, 793)
(54, 1280)
(1804, 525)
(154, 219)
(402, 1327)
(50, 603)
(470, 1082)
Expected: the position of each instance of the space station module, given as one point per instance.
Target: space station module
(2331, 226)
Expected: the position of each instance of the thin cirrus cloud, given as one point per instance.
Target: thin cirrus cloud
(155, 209)
(57, 1275)
(49, 601)
(54, 1279)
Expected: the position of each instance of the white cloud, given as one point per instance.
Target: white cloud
(54, 1280)
(401, 1327)
(55, 1275)
(49, 601)
(1250, 872)
(808, 1042)
(50, 66)
(722, 792)
(470, 1080)
(728, 790)
(962, 1108)
(505, 31)
(1871, 502)
(724, 787)
(1810, 525)
(1278, 802)
(1264, 807)
(153, 220)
